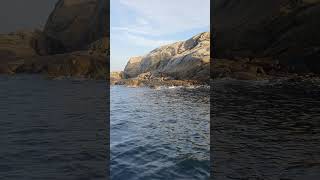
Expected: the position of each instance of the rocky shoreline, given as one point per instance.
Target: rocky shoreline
(155, 82)
(159, 82)
(221, 69)
(80, 64)
(258, 69)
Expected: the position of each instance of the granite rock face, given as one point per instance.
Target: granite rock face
(281, 32)
(78, 23)
(185, 60)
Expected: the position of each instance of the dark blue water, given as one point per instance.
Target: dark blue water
(160, 134)
(52, 129)
(265, 130)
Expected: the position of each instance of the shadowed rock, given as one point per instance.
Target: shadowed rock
(78, 23)
(283, 31)
(79, 64)
(73, 43)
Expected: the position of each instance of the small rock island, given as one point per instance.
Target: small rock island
(179, 64)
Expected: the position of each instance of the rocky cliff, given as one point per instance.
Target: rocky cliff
(74, 42)
(185, 60)
(267, 36)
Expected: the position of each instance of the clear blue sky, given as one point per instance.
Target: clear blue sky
(139, 26)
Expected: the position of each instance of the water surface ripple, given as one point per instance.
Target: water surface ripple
(263, 130)
(159, 134)
(52, 129)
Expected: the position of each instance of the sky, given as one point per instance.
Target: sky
(24, 14)
(139, 26)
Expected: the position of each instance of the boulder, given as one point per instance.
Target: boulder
(185, 60)
(132, 68)
(78, 23)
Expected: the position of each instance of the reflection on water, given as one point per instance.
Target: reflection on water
(52, 129)
(159, 134)
(263, 130)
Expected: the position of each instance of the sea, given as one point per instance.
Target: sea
(265, 129)
(161, 133)
(53, 129)
(59, 129)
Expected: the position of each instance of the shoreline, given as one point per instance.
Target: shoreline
(167, 82)
(53, 78)
(134, 82)
(156, 83)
